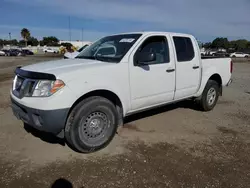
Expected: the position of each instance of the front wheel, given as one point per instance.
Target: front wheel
(91, 125)
(209, 96)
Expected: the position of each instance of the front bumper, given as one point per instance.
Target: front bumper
(51, 121)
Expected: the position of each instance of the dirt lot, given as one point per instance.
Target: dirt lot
(173, 146)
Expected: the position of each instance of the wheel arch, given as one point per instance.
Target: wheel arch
(113, 97)
(213, 76)
(217, 78)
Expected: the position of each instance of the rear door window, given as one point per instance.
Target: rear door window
(184, 48)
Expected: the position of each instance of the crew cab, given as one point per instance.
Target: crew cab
(85, 99)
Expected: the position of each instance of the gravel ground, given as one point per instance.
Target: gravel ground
(172, 146)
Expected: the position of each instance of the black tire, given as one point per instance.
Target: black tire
(87, 136)
(204, 102)
(234, 56)
(246, 56)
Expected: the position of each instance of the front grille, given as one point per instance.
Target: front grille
(23, 87)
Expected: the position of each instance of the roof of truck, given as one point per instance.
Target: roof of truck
(154, 32)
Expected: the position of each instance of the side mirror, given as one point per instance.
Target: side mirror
(145, 58)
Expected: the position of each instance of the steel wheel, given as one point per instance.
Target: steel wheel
(94, 127)
(211, 96)
(92, 124)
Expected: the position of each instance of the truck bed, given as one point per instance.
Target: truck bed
(217, 65)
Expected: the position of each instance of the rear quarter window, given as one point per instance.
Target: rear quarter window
(184, 48)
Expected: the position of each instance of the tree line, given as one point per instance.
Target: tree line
(234, 45)
(30, 40)
(48, 41)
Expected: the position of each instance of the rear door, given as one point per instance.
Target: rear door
(188, 69)
(153, 84)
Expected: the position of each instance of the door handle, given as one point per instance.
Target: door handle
(170, 70)
(196, 67)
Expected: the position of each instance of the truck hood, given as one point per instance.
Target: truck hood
(63, 68)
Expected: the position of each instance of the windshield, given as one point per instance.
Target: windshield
(110, 48)
(82, 48)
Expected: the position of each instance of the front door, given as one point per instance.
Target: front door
(154, 83)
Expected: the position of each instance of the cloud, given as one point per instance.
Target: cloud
(199, 17)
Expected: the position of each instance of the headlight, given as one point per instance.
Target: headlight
(46, 88)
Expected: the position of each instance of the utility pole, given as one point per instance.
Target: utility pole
(69, 30)
(82, 36)
(10, 38)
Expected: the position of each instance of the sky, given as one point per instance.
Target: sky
(205, 19)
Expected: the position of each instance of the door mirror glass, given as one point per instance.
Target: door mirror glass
(145, 58)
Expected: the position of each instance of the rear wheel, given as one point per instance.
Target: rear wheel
(91, 125)
(209, 96)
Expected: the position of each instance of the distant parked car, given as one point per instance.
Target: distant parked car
(27, 52)
(49, 50)
(221, 54)
(203, 53)
(210, 53)
(12, 52)
(2, 53)
(72, 55)
(5, 51)
(239, 54)
(18, 52)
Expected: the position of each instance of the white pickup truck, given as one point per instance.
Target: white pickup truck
(85, 99)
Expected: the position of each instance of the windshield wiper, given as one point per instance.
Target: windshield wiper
(85, 57)
(102, 58)
(99, 58)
